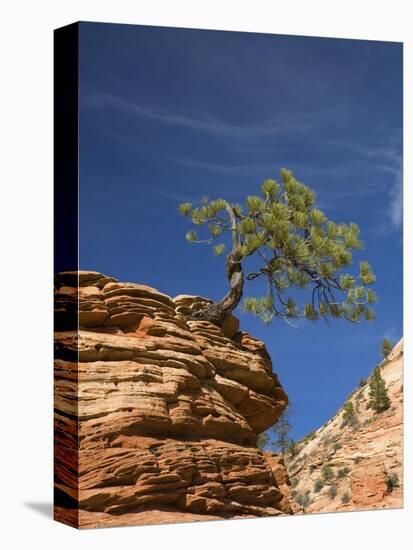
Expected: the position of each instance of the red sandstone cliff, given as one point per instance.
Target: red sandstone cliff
(156, 416)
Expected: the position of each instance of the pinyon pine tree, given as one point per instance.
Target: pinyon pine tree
(282, 429)
(289, 244)
(277, 436)
(379, 398)
(349, 414)
(386, 347)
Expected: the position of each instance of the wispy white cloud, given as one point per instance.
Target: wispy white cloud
(227, 168)
(202, 121)
(387, 158)
(333, 196)
(396, 207)
(300, 170)
(395, 194)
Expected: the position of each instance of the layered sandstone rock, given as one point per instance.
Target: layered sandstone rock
(157, 415)
(363, 461)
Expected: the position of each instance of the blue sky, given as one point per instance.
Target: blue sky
(171, 115)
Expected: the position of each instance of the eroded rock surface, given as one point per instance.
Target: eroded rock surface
(156, 415)
(356, 465)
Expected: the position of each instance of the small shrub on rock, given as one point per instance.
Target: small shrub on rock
(343, 472)
(332, 491)
(392, 481)
(303, 499)
(327, 472)
(345, 499)
(318, 485)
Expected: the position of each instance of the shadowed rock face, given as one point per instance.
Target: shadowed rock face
(157, 416)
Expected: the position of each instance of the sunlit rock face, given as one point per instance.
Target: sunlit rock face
(364, 459)
(157, 415)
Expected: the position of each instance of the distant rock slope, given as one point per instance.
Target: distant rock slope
(165, 410)
(343, 467)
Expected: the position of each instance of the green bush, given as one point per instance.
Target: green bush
(303, 499)
(332, 491)
(392, 481)
(318, 485)
(294, 482)
(343, 472)
(362, 382)
(349, 415)
(337, 446)
(345, 498)
(327, 472)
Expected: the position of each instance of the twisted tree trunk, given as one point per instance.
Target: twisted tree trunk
(217, 312)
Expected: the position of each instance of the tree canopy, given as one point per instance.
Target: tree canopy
(294, 246)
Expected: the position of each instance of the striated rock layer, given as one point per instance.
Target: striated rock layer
(156, 415)
(358, 465)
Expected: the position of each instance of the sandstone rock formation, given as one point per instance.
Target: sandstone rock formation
(362, 462)
(156, 416)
